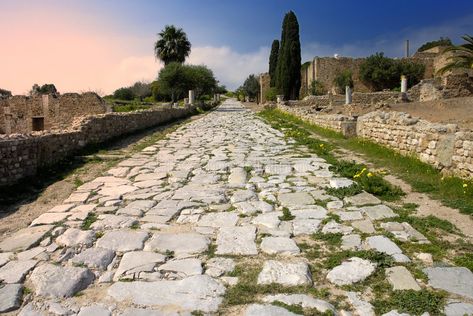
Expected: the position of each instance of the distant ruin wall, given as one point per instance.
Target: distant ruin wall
(440, 145)
(22, 155)
(56, 112)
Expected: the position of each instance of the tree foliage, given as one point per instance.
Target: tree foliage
(380, 72)
(461, 56)
(343, 79)
(175, 80)
(172, 45)
(288, 70)
(273, 62)
(124, 93)
(5, 93)
(317, 88)
(443, 41)
(47, 88)
(251, 87)
(141, 90)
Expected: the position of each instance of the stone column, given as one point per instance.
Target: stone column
(348, 98)
(279, 99)
(7, 120)
(191, 97)
(404, 88)
(45, 99)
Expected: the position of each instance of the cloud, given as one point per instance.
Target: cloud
(229, 66)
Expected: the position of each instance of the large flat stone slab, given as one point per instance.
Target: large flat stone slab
(458, 309)
(57, 281)
(221, 219)
(122, 240)
(305, 301)
(351, 271)
(199, 292)
(135, 262)
(236, 241)
(10, 297)
(74, 237)
(378, 212)
(279, 246)
(179, 243)
(401, 279)
(305, 226)
(25, 238)
(267, 310)
(50, 218)
(295, 199)
(385, 245)
(285, 273)
(15, 271)
(361, 199)
(96, 258)
(182, 268)
(457, 280)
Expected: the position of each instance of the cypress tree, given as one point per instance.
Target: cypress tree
(273, 62)
(288, 70)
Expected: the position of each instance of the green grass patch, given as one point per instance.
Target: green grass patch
(344, 192)
(465, 260)
(412, 302)
(88, 221)
(286, 215)
(299, 310)
(331, 239)
(335, 259)
(246, 291)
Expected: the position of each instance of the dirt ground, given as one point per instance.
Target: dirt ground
(20, 214)
(451, 111)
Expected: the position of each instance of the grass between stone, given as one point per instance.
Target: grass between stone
(452, 191)
(363, 179)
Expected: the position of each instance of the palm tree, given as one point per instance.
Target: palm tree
(172, 45)
(462, 57)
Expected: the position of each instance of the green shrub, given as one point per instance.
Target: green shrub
(271, 94)
(380, 72)
(443, 41)
(317, 88)
(343, 79)
(124, 94)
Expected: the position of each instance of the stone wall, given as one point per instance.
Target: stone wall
(451, 86)
(22, 155)
(17, 113)
(443, 146)
(337, 122)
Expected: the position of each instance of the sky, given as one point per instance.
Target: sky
(101, 45)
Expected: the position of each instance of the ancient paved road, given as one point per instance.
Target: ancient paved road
(161, 233)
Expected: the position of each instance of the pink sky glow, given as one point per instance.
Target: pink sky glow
(70, 50)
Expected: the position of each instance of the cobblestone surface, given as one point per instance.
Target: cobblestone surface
(163, 232)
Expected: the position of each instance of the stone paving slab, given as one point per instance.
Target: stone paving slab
(236, 241)
(199, 292)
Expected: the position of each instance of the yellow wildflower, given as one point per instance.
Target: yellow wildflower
(369, 174)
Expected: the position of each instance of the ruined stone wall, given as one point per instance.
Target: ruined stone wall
(17, 112)
(21, 155)
(326, 70)
(337, 122)
(443, 146)
(376, 97)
